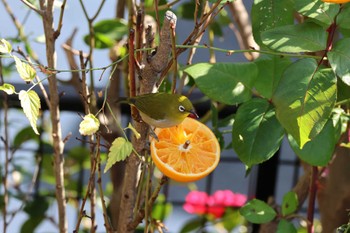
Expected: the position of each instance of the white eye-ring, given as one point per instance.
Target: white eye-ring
(181, 108)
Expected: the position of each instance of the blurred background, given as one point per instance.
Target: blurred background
(273, 178)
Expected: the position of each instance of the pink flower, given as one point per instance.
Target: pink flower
(196, 202)
(200, 203)
(224, 198)
(240, 200)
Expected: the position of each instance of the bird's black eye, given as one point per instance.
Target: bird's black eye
(181, 108)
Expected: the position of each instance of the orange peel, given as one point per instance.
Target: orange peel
(186, 152)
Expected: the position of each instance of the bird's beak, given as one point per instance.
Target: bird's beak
(193, 114)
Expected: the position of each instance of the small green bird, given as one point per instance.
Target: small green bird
(163, 110)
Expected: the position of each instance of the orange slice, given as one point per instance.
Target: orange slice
(186, 152)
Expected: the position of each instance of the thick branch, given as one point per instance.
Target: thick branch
(149, 75)
(159, 61)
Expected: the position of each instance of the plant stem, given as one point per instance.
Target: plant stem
(231, 51)
(173, 49)
(107, 224)
(312, 198)
(7, 155)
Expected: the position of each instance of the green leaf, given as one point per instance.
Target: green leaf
(270, 70)
(343, 19)
(8, 88)
(107, 32)
(290, 203)
(345, 228)
(343, 91)
(318, 10)
(227, 121)
(214, 120)
(37, 207)
(48, 175)
(119, 151)
(5, 46)
(306, 37)
(25, 71)
(186, 9)
(339, 59)
(216, 28)
(228, 83)
(2, 201)
(79, 154)
(161, 208)
(270, 14)
(340, 122)
(319, 151)
(25, 135)
(31, 224)
(256, 211)
(317, 155)
(232, 219)
(222, 2)
(30, 103)
(304, 99)
(89, 125)
(192, 225)
(256, 133)
(285, 227)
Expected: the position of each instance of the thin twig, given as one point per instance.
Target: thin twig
(139, 34)
(156, 11)
(84, 86)
(165, 6)
(142, 213)
(147, 193)
(132, 80)
(108, 225)
(196, 33)
(212, 58)
(140, 190)
(20, 30)
(92, 190)
(82, 206)
(243, 32)
(232, 51)
(195, 14)
(5, 140)
(31, 6)
(193, 49)
(312, 199)
(60, 22)
(173, 49)
(98, 10)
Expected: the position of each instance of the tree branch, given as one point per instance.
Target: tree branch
(149, 76)
(58, 144)
(31, 6)
(244, 33)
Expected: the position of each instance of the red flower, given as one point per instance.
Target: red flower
(200, 203)
(196, 202)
